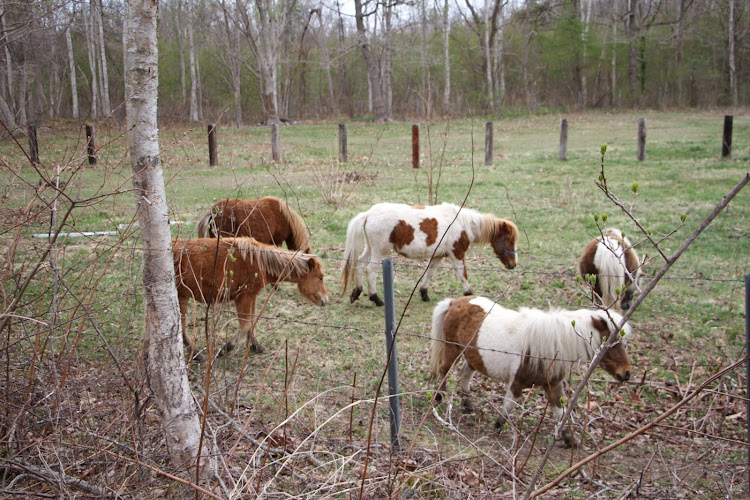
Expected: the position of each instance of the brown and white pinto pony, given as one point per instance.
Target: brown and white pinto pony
(219, 270)
(613, 260)
(269, 220)
(444, 230)
(523, 348)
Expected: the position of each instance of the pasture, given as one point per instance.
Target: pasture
(72, 388)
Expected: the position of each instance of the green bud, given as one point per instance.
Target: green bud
(617, 290)
(604, 148)
(623, 234)
(601, 177)
(596, 217)
(683, 217)
(562, 400)
(573, 323)
(648, 231)
(634, 188)
(578, 278)
(580, 301)
(622, 332)
(604, 218)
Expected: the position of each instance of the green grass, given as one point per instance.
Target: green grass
(687, 328)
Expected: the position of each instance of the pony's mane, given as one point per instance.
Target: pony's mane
(490, 227)
(297, 225)
(272, 260)
(553, 344)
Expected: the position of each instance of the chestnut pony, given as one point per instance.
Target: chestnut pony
(219, 270)
(613, 260)
(436, 231)
(269, 220)
(521, 348)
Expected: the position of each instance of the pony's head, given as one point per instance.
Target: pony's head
(504, 242)
(311, 285)
(616, 360)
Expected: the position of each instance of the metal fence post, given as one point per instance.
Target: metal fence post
(747, 365)
(390, 351)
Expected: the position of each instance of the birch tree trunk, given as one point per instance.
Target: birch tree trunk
(488, 55)
(106, 105)
(388, 58)
(165, 361)
(426, 92)
(732, 42)
(585, 21)
(91, 51)
(72, 67)
(180, 32)
(370, 63)
(446, 58)
(193, 77)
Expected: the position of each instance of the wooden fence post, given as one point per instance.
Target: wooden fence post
(488, 144)
(415, 146)
(275, 150)
(213, 154)
(91, 144)
(641, 139)
(390, 353)
(33, 145)
(343, 153)
(563, 149)
(726, 143)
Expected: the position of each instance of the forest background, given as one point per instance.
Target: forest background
(268, 60)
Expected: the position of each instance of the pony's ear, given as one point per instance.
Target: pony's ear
(601, 326)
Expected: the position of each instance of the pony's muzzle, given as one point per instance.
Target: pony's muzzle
(624, 377)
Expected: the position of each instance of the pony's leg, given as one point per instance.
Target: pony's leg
(460, 267)
(358, 271)
(511, 395)
(554, 396)
(193, 352)
(427, 277)
(372, 274)
(245, 304)
(465, 373)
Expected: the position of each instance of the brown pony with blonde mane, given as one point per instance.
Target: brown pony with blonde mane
(269, 220)
(219, 270)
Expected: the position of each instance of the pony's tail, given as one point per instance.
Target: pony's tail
(437, 345)
(204, 227)
(300, 235)
(354, 243)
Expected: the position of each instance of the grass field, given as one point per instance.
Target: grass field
(322, 367)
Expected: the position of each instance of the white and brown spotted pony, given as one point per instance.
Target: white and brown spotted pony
(523, 348)
(613, 260)
(419, 232)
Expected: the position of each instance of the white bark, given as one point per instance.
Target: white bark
(104, 74)
(72, 67)
(423, 59)
(91, 52)
(446, 58)
(165, 363)
(586, 22)
(193, 74)
(487, 54)
(731, 28)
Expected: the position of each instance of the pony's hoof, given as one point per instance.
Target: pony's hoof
(374, 297)
(568, 440)
(438, 397)
(467, 293)
(228, 347)
(467, 406)
(257, 348)
(355, 295)
(423, 293)
(501, 424)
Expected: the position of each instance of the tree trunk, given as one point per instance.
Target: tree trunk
(91, 51)
(193, 77)
(181, 48)
(488, 56)
(165, 361)
(446, 58)
(732, 42)
(370, 64)
(388, 59)
(8, 63)
(585, 21)
(106, 106)
(423, 59)
(72, 67)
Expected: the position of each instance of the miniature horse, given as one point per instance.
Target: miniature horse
(236, 269)
(614, 262)
(269, 220)
(521, 348)
(419, 233)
